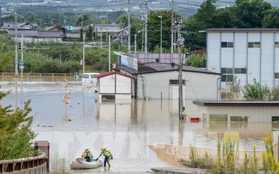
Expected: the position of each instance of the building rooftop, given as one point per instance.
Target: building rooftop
(242, 29)
(147, 68)
(235, 103)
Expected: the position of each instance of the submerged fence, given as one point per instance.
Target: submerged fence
(40, 77)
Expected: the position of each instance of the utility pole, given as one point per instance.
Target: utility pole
(16, 59)
(161, 34)
(145, 28)
(83, 54)
(129, 27)
(135, 43)
(21, 66)
(180, 43)
(109, 53)
(172, 25)
(101, 35)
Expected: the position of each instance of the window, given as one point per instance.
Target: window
(275, 122)
(276, 75)
(226, 70)
(227, 44)
(275, 119)
(276, 44)
(218, 118)
(240, 70)
(226, 78)
(176, 82)
(254, 44)
(239, 119)
(108, 98)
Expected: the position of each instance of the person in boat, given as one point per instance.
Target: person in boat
(87, 155)
(107, 154)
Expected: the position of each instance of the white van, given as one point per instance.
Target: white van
(90, 79)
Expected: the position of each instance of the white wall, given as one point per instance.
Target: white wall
(107, 84)
(198, 86)
(267, 58)
(123, 84)
(213, 52)
(256, 114)
(261, 63)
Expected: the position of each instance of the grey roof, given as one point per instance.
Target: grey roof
(35, 33)
(25, 33)
(236, 103)
(49, 34)
(148, 68)
(73, 34)
(242, 30)
(159, 67)
(112, 28)
(23, 25)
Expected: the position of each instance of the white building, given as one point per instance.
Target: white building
(160, 81)
(238, 111)
(246, 53)
(114, 86)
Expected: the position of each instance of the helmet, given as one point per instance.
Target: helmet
(86, 148)
(102, 148)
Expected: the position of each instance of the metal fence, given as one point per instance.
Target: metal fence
(39, 77)
(31, 165)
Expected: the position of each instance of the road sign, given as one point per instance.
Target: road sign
(21, 64)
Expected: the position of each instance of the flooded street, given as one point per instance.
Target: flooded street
(127, 128)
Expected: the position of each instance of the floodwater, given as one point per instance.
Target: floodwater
(126, 127)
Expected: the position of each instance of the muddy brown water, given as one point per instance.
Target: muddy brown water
(128, 128)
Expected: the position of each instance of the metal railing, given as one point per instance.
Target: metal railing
(4, 76)
(35, 165)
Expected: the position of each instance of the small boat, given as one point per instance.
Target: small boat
(80, 163)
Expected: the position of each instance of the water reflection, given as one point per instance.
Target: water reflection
(126, 127)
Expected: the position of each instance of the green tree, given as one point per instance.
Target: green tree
(31, 17)
(5, 54)
(154, 29)
(202, 20)
(256, 92)
(196, 60)
(85, 19)
(225, 18)
(250, 13)
(15, 128)
(205, 14)
(15, 132)
(275, 94)
(234, 88)
(271, 19)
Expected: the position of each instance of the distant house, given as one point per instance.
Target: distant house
(26, 25)
(33, 35)
(116, 31)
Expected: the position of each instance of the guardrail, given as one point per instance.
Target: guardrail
(4, 76)
(34, 165)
